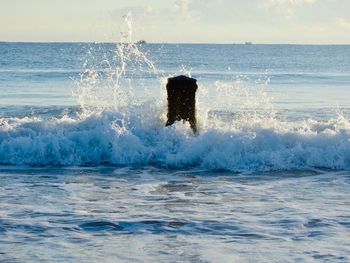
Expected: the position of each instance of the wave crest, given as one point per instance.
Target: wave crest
(138, 137)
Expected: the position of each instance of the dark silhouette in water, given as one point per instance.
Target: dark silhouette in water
(141, 42)
(182, 100)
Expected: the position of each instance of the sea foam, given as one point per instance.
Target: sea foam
(137, 136)
(239, 128)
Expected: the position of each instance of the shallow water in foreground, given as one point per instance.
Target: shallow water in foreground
(130, 214)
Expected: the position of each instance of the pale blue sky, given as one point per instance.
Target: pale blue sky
(179, 21)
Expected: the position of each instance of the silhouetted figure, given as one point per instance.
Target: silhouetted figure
(182, 100)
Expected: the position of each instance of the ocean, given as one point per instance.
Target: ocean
(90, 173)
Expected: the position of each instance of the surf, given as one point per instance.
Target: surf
(119, 120)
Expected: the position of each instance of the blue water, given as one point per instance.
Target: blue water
(89, 173)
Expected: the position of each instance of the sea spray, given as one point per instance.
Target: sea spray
(117, 124)
(110, 81)
(110, 138)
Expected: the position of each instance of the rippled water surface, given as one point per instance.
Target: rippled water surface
(146, 214)
(89, 173)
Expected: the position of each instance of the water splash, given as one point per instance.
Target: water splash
(239, 127)
(113, 80)
(106, 82)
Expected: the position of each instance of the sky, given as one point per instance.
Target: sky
(177, 21)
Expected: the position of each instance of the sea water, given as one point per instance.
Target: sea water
(89, 173)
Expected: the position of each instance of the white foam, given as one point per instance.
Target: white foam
(239, 130)
(138, 136)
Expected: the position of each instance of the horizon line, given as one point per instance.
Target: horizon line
(170, 43)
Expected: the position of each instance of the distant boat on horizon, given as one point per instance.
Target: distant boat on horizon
(141, 42)
(248, 43)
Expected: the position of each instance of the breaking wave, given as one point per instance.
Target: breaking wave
(138, 137)
(239, 127)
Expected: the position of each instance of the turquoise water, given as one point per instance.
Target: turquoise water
(89, 172)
